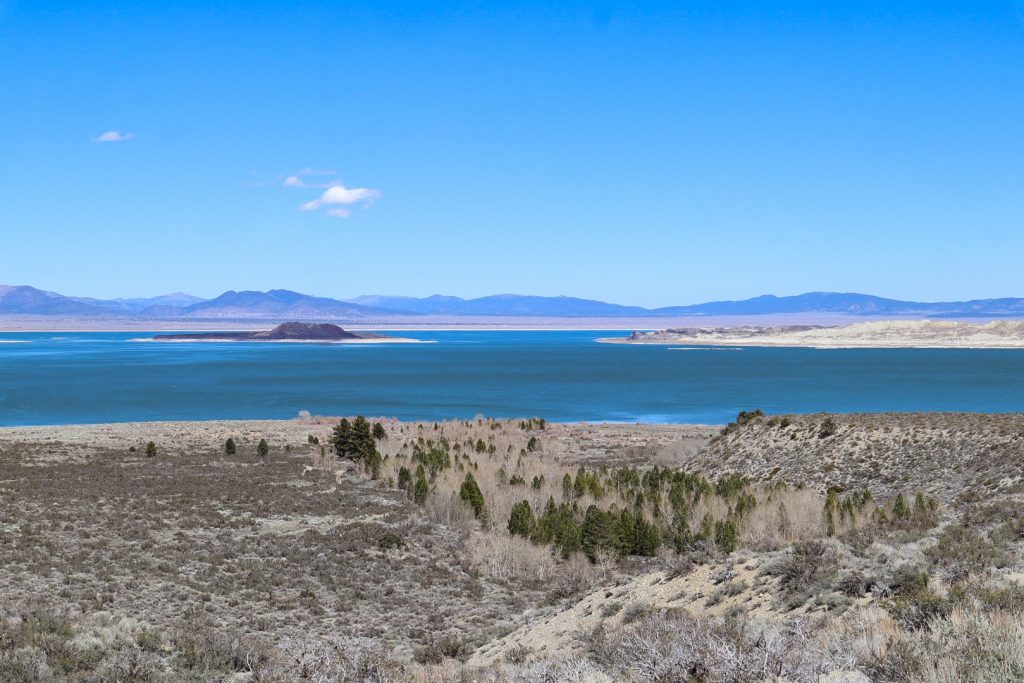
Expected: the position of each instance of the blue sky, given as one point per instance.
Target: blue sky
(644, 153)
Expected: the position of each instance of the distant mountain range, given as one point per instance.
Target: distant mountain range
(282, 304)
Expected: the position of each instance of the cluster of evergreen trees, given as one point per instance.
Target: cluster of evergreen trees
(357, 440)
(624, 533)
(628, 531)
(262, 449)
(430, 459)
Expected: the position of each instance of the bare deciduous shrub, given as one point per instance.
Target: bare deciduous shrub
(343, 659)
(809, 567)
(562, 670)
(677, 647)
(130, 665)
(205, 648)
(450, 511)
(575, 576)
(511, 557)
(961, 551)
(439, 648)
(24, 665)
(966, 645)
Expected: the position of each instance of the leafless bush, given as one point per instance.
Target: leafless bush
(24, 665)
(969, 644)
(329, 660)
(676, 647)
(444, 507)
(559, 670)
(809, 567)
(130, 665)
(511, 557)
(575, 576)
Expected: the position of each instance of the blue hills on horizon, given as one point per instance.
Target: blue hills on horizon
(281, 304)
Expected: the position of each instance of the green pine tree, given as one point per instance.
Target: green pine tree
(597, 533)
(341, 438)
(421, 489)
(900, 510)
(405, 479)
(471, 494)
(521, 522)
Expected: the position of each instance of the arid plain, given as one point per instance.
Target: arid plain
(805, 548)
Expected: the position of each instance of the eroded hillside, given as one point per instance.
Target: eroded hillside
(941, 454)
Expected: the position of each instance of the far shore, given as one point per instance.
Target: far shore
(109, 433)
(14, 324)
(879, 334)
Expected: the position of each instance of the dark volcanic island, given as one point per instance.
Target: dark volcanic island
(322, 333)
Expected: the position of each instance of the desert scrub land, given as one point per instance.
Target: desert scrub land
(805, 548)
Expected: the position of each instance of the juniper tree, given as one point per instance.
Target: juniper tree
(229, 447)
(625, 532)
(150, 450)
(597, 532)
(831, 505)
(567, 531)
(421, 489)
(372, 463)
(405, 479)
(362, 438)
(262, 449)
(521, 522)
(471, 494)
(899, 508)
(580, 483)
(379, 432)
(726, 536)
(919, 505)
(341, 438)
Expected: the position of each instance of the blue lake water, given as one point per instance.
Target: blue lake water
(59, 378)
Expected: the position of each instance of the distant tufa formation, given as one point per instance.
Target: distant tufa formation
(283, 332)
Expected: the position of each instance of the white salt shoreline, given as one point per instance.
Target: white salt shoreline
(896, 334)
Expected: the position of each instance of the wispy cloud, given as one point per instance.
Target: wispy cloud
(114, 136)
(299, 179)
(336, 198)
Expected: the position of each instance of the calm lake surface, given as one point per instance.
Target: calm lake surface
(55, 378)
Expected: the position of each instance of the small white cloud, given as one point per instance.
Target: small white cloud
(294, 181)
(114, 136)
(338, 196)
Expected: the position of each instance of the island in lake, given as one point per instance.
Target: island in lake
(309, 333)
(1004, 334)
